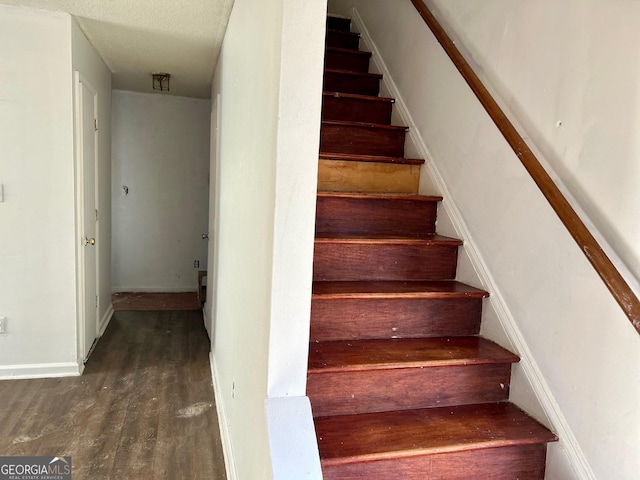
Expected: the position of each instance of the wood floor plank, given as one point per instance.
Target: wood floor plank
(144, 407)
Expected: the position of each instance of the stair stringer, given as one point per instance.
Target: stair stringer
(529, 390)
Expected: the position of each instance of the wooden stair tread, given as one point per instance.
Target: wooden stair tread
(349, 439)
(382, 126)
(356, 96)
(385, 196)
(348, 51)
(341, 71)
(386, 239)
(369, 158)
(389, 289)
(375, 354)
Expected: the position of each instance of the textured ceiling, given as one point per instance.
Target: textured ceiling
(137, 37)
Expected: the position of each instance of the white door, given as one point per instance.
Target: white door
(214, 208)
(89, 218)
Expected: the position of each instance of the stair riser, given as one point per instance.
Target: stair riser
(352, 61)
(367, 177)
(351, 262)
(401, 389)
(341, 39)
(362, 140)
(375, 216)
(524, 462)
(350, 319)
(356, 110)
(345, 83)
(337, 23)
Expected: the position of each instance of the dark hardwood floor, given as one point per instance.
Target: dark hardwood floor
(143, 409)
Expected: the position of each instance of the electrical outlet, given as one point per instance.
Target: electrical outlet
(3, 325)
(196, 264)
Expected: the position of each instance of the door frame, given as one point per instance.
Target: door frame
(214, 219)
(82, 349)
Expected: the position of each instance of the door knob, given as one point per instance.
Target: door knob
(89, 241)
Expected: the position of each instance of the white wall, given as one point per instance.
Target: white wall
(247, 78)
(580, 354)
(270, 87)
(160, 151)
(302, 65)
(576, 95)
(37, 236)
(293, 444)
(87, 61)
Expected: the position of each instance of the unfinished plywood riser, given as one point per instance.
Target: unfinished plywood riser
(343, 176)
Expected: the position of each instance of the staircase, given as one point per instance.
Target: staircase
(401, 385)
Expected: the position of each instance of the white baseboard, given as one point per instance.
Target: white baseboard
(229, 460)
(104, 321)
(189, 289)
(532, 372)
(39, 370)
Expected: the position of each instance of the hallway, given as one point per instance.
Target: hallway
(144, 407)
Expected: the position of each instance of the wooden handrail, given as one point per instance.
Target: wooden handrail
(612, 278)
